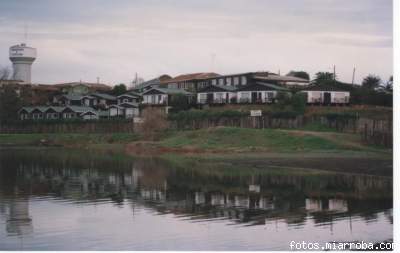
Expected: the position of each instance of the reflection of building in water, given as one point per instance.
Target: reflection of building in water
(334, 205)
(337, 205)
(199, 198)
(265, 203)
(254, 188)
(313, 205)
(156, 195)
(217, 199)
(18, 220)
(242, 201)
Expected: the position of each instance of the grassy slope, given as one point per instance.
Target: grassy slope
(216, 139)
(268, 140)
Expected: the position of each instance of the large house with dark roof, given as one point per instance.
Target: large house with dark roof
(190, 82)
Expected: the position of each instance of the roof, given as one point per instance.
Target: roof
(56, 108)
(103, 95)
(217, 88)
(72, 96)
(274, 77)
(128, 95)
(100, 86)
(323, 87)
(167, 91)
(193, 76)
(152, 82)
(129, 105)
(80, 109)
(261, 86)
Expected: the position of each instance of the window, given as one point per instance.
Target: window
(214, 81)
(236, 81)
(246, 95)
(229, 81)
(221, 81)
(244, 80)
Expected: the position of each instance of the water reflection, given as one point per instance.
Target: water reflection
(194, 195)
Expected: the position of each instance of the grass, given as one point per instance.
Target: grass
(251, 140)
(66, 139)
(221, 140)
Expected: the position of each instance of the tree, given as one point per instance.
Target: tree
(119, 89)
(154, 123)
(5, 73)
(179, 102)
(10, 103)
(388, 86)
(300, 74)
(371, 82)
(324, 77)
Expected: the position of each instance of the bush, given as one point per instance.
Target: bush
(154, 123)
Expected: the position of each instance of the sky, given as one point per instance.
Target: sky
(113, 40)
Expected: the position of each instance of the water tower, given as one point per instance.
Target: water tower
(22, 58)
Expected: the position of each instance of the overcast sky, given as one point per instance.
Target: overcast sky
(82, 40)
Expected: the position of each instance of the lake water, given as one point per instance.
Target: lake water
(53, 199)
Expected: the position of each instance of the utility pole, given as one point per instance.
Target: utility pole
(354, 72)
(334, 73)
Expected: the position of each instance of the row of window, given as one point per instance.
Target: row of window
(230, 81)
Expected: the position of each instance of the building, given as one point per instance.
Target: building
(57, 112)
(124, 110)
(189, 82)
(129, 97)
(216, 94)
(82, 88)
(259, 92)
(103, 100)
(22, 58)
(288, 81)
(326, 94)
(162, 96)
(153, 83)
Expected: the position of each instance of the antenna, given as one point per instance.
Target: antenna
(25, 32)
(354, 72)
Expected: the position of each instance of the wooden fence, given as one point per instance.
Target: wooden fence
(69, 127)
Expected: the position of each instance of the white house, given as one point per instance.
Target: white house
(326, 94)
(161, 96)
(259, 92)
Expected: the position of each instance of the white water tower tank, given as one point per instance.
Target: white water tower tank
(22, 58)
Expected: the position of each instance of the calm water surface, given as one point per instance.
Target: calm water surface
(52, 199)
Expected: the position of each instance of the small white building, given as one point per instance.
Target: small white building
(259, 92)
(326, 94)
(161, 96)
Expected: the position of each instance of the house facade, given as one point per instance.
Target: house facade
(326, 94)
(162, 96)
(259, 92)
(216, 94)
(57, 112)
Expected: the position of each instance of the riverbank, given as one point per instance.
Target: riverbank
(220, 140)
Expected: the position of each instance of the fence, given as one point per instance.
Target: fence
(68, 127)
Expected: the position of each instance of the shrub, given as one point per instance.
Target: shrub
(154, 123)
